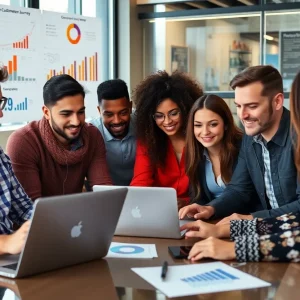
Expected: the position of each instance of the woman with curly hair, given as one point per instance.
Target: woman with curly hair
(163, 103)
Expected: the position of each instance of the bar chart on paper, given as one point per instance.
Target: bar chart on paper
(216, 276)
(82, 70)
(195, 279)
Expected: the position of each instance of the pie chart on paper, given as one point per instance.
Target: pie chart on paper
(128, 249)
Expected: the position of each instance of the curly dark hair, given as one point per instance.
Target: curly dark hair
(181, 89)
(3, 74)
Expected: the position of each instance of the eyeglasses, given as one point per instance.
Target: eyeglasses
(172, 115)
(3, 102)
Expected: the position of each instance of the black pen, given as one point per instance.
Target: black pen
(164, 270)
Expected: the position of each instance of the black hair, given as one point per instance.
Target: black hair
(154, 89)
(112, 90)
(60, 86)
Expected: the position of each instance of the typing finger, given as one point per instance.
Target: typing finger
(190, 225)
(193, 234)
(202, 215)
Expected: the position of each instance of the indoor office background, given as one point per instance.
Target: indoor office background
(90, 8)
(214, 47)
(211, 39)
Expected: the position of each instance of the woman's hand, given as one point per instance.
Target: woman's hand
(201, 229)
(213, 248)
(196, 211)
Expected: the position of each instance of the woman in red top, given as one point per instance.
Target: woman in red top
(163, 102)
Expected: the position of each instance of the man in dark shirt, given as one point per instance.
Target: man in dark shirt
(264, 182)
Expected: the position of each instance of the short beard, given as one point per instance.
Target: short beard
(268, 124)
(123, 134)
(61, 132)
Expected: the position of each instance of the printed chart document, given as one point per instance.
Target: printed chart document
(125, 250)
(186, 280)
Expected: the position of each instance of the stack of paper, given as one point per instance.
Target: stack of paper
(196, 279)
(124, 250)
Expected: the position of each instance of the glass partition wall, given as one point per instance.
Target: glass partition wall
(212, 49)
(214, 45)
(282, 43)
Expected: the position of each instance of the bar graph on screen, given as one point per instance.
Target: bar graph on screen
(12, 68)
(216, 276)
(82, 70)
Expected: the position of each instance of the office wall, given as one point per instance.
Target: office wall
(209, 43)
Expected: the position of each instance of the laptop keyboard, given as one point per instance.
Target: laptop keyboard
(12, 266)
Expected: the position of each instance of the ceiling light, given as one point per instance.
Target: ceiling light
(212, 17)
(268, 37)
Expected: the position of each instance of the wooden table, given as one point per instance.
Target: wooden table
(112, 279)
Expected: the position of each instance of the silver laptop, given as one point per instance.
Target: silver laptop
(148, 212)
(67, 230)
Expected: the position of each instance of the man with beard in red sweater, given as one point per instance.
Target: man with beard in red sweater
(54, 155)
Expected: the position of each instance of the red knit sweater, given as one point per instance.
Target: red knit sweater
(41, 174)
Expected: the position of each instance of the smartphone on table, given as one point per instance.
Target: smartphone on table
(180, 251)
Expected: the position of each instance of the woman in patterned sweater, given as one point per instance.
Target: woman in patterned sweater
(271, 239)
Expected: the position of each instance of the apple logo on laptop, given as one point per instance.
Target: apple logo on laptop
(76, 230)
(136, 212)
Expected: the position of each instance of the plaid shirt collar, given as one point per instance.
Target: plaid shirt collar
(259, 139)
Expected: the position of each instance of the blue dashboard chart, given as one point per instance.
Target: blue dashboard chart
(12, 105)
(213, 277)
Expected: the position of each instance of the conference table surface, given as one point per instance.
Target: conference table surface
(113, 279)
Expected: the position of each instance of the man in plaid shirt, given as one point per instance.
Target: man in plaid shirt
(15, 205)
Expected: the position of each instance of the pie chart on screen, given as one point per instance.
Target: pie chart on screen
(73, 33)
